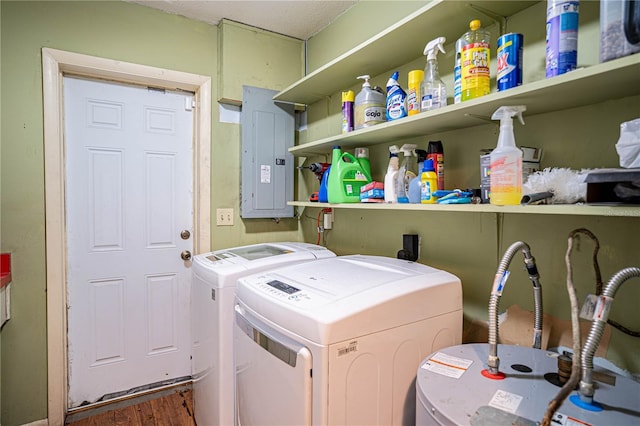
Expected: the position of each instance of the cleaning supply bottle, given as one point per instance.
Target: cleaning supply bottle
(362, 154)
(506, 159)
(415, 184)
(432, 90)
(391, 176)
(406, 172)
(348, 98)
(415, 78)
(396, 99)
(435, 151)
(323, 193)
(429, 183)
(457, 72)
(346, 178)
(475, 62)
(370, 104)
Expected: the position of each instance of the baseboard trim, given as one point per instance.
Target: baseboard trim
(43, 422)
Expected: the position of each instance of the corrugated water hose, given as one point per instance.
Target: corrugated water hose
(597, 329)
(494, 301)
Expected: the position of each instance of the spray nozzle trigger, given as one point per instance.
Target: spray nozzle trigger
(408, 149)
(366, 78)
(431, 49)
(393, 149)
(506, 113)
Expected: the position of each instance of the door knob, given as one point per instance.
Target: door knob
(185, 234)
(185, 255)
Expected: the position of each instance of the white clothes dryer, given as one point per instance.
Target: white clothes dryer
(338, 341)
(214, 278)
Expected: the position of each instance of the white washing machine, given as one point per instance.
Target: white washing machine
(338, 341)
(213, 284)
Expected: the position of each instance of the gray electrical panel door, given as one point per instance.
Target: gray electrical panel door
(267, 166)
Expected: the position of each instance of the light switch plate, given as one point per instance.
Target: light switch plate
(224, 217)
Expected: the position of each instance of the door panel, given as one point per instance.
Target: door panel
(273, 375)
(129, 186)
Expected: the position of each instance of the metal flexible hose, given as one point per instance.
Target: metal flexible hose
(496, 292)
(597, 329)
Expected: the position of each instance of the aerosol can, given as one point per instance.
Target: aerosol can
(432, 89)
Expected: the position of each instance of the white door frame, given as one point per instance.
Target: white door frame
(55, 63)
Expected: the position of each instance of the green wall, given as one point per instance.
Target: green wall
(470, 245)
(115, 30)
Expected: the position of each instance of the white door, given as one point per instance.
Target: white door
(129, 189)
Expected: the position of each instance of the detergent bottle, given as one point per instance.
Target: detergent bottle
(391, 176)
(432, 89)
(429, 181)
(362, 154)
(396, 99)
(370, 104)
(415, 183)
(346, 178)
(506, 159)
(406, 172)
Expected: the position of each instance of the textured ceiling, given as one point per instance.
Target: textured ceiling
(295, 18)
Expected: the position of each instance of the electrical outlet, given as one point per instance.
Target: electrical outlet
(224, 217)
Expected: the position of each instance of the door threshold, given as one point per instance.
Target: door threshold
(137, 397)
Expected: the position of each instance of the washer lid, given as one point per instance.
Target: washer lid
(214, 266)
(333, 299)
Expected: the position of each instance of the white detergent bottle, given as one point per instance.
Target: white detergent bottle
(432, 88)
(390, 177)
(506, 160)
(406, 173)
(370, 107)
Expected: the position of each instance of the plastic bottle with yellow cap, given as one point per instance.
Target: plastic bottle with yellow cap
(348, 98)
(475, 62)
(415, 77)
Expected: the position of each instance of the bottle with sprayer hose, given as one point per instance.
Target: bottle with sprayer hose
(506, 159)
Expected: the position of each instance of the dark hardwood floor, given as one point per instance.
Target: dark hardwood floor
(175, 409)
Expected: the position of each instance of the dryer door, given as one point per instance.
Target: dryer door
(273, 375)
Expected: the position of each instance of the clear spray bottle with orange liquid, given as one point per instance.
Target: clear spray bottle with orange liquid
(506, 160)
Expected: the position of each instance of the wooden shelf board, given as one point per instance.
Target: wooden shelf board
(556, 209)
(400, 43)
(610, 80)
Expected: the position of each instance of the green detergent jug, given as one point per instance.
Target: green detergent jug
(346, 178)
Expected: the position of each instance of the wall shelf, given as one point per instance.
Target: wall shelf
(598, 83)
(399, 44)
(556, 209)
(609, 80)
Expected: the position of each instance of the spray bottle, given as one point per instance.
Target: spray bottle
(432, 89)
(406, 173)
(370, 105)
(506, 159)
(391, 176)
(396, 99)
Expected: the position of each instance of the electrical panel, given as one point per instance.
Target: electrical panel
(267, 166)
